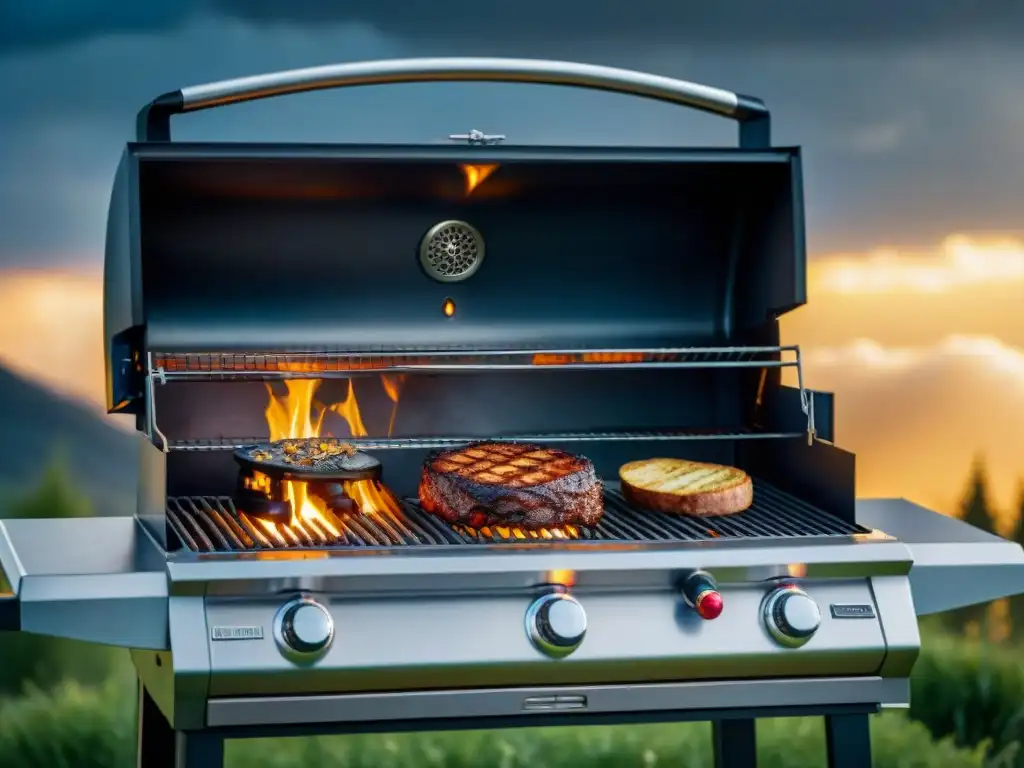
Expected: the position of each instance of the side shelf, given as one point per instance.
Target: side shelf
(102, 580)
(955, 564)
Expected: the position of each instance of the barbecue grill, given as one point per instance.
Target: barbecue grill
(388, 301)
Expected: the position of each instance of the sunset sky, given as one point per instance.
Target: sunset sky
(911, 116)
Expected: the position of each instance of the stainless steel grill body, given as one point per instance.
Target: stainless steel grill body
(627, 307)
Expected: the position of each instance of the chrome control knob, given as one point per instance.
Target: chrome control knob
(791, 616)
(556, 624)
(303, 629)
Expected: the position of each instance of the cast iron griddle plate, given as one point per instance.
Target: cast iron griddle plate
(313, 458)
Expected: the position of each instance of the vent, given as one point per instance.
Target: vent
(451, 251)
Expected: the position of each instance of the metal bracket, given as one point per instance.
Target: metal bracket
(152, 430)
(806, 400)
(478, 138)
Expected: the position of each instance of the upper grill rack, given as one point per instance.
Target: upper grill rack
(212, 524)
(166, 367)
(384, 443)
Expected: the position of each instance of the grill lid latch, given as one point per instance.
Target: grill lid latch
(478, 138)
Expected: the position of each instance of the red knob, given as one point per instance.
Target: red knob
(709, 604)
(701, 593)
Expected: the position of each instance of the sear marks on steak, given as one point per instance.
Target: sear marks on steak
(511, 484)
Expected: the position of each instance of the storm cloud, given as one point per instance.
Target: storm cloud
(29, 23)
(910, 127)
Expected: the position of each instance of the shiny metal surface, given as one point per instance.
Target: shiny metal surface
(556, 624)
(893, 602)
(452, 251)
(791, 616)
(706, 98)
(955, 564)
(478, 138)
(303, 630)
(101, 580)
(478, 640)
(482, 570)
(759, 694)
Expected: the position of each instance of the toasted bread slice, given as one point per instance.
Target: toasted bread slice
(680, 487)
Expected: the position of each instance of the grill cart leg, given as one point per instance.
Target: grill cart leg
(848, 741)
(160, 746)
(735, 744)
(156, 738)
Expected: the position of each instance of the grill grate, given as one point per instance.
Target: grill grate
(212, 524)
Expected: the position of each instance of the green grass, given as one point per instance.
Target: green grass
(971, 691)
(80, 727)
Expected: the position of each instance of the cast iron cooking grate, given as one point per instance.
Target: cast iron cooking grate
(213, 524)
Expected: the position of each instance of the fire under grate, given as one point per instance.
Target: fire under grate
(213, 524)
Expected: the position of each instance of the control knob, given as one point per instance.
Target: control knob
(701, 593)
(303, 628)
(791, 616)
(556, 624)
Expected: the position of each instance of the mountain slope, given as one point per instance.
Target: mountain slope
(38, 426)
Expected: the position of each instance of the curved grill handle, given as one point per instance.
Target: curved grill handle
(154, 120)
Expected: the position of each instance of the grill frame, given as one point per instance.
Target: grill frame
(775, 517)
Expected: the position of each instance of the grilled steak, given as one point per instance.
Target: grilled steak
(511, 484)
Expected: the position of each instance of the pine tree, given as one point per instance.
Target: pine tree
(975, 510)
(55, 496)
(1018, 523)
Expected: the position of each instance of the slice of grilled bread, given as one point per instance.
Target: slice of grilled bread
(680, 487)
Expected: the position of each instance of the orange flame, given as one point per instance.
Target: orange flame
(291, 415)
(510, 533)
(544, 358)
(348, 409)
(475, 175)
(393, 387)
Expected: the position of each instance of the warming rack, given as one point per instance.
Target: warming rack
(165, 367)
(379, 443)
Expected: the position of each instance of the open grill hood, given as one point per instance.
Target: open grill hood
(272, 249)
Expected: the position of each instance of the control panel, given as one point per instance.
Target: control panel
(695, 628)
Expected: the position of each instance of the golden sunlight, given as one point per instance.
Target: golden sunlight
(958, 261)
